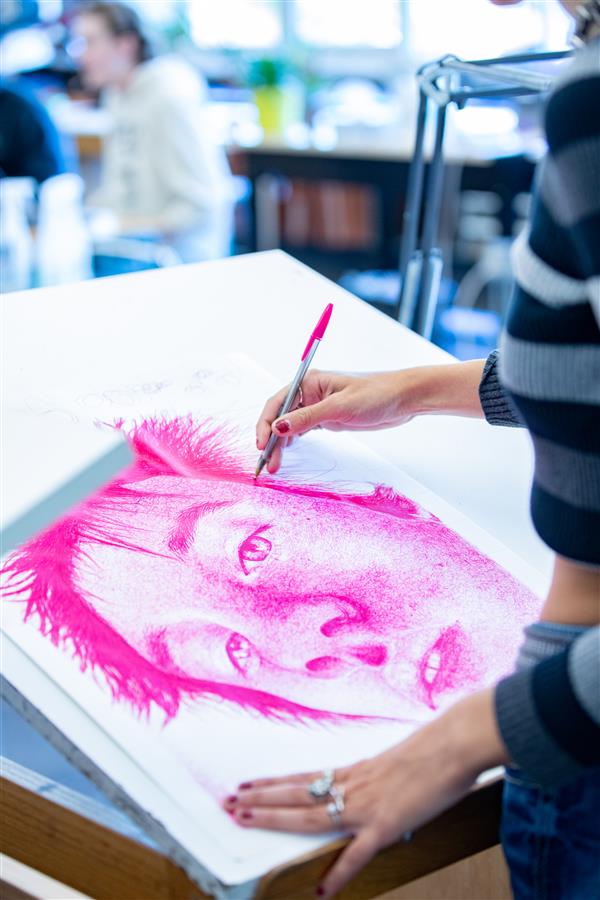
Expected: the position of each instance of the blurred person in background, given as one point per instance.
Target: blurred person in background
(163, 174)
(29, 142)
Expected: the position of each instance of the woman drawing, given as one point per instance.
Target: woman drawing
(543, 721)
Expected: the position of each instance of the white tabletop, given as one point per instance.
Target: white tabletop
(264, 305)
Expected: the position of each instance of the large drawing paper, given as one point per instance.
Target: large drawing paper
(187, 628)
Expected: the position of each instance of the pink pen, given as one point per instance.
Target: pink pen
(310, 350)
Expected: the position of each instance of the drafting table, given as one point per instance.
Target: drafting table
(259, 305)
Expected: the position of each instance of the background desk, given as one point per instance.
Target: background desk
(262, 305)
(360, 227)
(347, 189)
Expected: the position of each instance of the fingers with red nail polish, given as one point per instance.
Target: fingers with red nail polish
(275, 459)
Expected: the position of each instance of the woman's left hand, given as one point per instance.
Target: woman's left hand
(386, 796)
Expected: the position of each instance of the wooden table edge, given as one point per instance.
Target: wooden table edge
(103, 863)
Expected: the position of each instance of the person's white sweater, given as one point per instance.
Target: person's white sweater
(163, 171)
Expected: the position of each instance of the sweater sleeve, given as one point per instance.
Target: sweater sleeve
(571, 183)
(496, 405)
(189, 164)
(549, 714)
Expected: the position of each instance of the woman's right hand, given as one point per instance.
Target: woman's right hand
(368, 402)
(339, 402)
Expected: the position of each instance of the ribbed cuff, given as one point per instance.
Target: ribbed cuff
(529, 745)
(497, 408)
(584, 672)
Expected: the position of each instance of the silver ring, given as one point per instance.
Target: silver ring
(337, 806)
(300, 396)
(321, 786)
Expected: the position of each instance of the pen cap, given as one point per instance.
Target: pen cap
(319, 329)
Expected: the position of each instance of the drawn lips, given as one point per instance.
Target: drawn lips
(242, 654)
(327, 666)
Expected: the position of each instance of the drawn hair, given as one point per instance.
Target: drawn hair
(42, 574)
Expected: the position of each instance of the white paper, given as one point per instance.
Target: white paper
(178, 773)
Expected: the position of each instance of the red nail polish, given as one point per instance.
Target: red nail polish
(232, 799)
(245, 785)
(283, 427)
(246, 814)
(320, 891)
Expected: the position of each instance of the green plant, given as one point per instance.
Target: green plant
(268, 72)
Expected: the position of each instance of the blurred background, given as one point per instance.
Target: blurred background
(163, 132)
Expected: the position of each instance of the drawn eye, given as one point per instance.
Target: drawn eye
(243, 655)
(254, 550)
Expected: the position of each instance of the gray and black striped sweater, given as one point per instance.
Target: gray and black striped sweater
(549, 381)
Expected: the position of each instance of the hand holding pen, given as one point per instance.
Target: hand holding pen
(295, 388)
(337, 401)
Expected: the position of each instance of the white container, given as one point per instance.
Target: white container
(16, 244)
(64, 249)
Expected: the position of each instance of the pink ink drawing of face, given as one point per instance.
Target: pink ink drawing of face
(355, 606)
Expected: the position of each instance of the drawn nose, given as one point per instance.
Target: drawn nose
(351, 616)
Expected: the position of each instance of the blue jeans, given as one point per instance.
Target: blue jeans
(551, 837)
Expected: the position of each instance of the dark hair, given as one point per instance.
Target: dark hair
(120, 20)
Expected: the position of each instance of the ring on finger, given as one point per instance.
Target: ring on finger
(336, 806)
(321, 787)
(300, 396)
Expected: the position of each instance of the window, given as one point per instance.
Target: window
(159, 13)
(325, 23)
(349, 23)
(475, 29)
(240, 24)
(371, 38)
(49, 10)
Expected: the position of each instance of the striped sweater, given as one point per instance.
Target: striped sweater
(547, 377)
